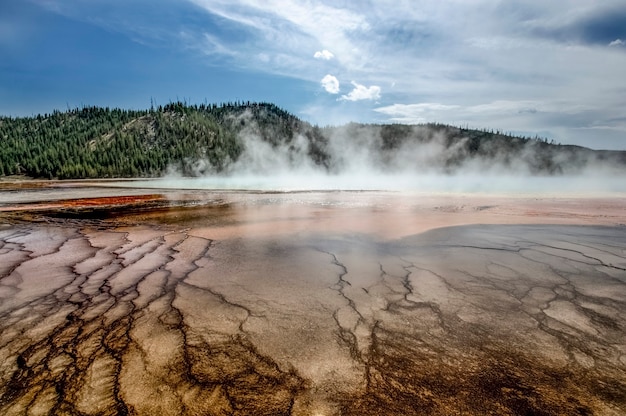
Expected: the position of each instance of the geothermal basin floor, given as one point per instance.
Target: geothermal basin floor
(315, 303)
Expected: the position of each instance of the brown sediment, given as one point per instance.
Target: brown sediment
(355, 303)
(84, 204)
(13, 185)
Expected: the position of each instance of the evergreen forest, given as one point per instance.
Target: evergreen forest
(95, 142)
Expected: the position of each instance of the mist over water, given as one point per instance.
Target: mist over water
(427, 183)
(359, 158)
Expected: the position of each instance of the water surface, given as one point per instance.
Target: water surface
(223, 302)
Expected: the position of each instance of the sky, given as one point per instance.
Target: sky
(554, 69)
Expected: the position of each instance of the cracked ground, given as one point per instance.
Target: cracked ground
(296, 305)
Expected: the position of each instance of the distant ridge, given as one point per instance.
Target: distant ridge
(194, 140)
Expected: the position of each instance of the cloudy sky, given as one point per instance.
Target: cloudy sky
(555, 68)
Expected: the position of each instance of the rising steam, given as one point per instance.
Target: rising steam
(365, 157)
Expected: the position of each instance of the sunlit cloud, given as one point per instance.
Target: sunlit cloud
(294, 26)
(409, 113)
(361, 92)
(325, 55)
(617, 42)
(330, 83)
(414, 113)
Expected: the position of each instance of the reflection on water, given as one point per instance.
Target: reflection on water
(468, 183)
(390, 214)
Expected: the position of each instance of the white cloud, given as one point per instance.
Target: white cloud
(414, 113)
(422, 112)
(529, 117)
(294, 26)
(331, 84)
(617, 42)
(325, 55)
(361, 92)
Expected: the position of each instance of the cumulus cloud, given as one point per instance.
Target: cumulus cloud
(330, 83)
(617, 42)
(361, 92)
(325, 55)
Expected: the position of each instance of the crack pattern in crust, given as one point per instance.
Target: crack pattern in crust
(464, 320)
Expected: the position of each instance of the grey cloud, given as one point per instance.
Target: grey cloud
(599, 26)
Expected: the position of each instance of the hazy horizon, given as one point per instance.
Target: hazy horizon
(357, 163)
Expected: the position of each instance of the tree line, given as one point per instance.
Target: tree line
(96, 142)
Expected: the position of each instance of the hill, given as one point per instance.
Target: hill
(94, 142)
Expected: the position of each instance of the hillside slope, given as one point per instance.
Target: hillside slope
(258, 138)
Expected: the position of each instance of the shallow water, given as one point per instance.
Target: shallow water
(468, 183)
(313, 303)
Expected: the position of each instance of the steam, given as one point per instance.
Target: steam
(359, 158)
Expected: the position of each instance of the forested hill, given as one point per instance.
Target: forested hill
(94, 142)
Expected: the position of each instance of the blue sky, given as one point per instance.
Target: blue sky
(552, 68)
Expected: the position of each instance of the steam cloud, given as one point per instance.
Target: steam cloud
(361, 157)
